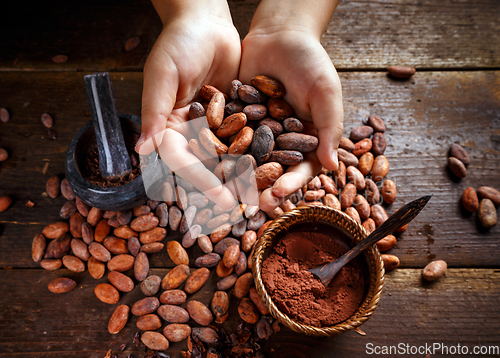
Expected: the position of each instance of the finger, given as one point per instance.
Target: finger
(158, 98)
(174, 151)
(328, 117)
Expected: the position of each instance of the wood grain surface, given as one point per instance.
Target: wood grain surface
(362, 35)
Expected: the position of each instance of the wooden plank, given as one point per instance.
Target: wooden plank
(461, 308)
(423, 117)
(361, 35)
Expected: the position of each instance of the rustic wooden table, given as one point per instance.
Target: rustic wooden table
(454, 97)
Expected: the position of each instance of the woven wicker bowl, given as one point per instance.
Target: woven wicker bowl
(321, 215)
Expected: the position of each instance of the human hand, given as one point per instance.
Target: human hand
(198, 45)
(294, 56)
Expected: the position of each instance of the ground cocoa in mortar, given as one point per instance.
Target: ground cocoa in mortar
(301, 296)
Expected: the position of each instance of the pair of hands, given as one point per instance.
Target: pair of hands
(203, 47)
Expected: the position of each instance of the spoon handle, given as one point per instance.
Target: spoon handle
(400, 218)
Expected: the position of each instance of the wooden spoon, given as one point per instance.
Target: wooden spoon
(400, 218)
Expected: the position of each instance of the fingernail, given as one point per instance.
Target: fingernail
(335, 157)
(141, 140)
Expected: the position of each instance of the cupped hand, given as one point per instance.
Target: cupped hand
(296, 58)
(194, 48)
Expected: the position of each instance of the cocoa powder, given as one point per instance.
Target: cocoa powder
(298, 293)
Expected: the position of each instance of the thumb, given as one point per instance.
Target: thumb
(159, 95)
(328, 118)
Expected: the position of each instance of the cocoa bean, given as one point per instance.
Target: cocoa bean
(255, 112)
(234, 106)
(251, 95)
(107, 293)
(331, 201)
(265, 175)
(286, 157)
(215, 111)
(487, 213)
(197, 199)
(372, 192)
(378, 214)
(279, 109)
(199, 312)
(205, 334)
(175, 277)
(251, 211)
(293, 125)
(347, 158)
(55, 230)
(68, 209)
(118, 319)
(457, 151)
(268, 86)
(220, 232)
(87, 233)
(207, 260)
(390, 262)
(313, 195)
(203, 217)
(124, 217)
(263, 228)
(4, 115)
(51, 264)
(434, 270)
(218, 221)
(340, 175)
(174, 217)
(57, 248)
(151, 285)
(403, 72)
(257, 301)
(177, 253)
(196, 280)
(211, 143)
(152, 248)
(120, 281)
(347, 144)
(347, 196)
(247, 311)
(162, 215)
(380, 168)
(101, 230)
(190, 237)
(155, 341)
(220, 306)
(328, 184)
(155, 235)
(297, 141)
(227, 282)
(369, 225)
(362, 206)
(144, 223)
(134, 246)
(457, 167)
(388, 191)
(173, 297)
(182, 200)
(96, 268)
(75, 225)
(239, 228)
(95, 214)
(38, 246)
(140, 210)
(488, 192)
(73, 263)
(365, 163)
(205, 244)
(387, 243)
(241, 265)
(121, 263)
(231, 255)
(145, 306)
(248, 240)
(99, 252)
(379, 144)
(360, 133)
(61, 285)
(53, 187)
(177, 332)
(167, 190)
(243, 284)
(262, 144)
(141, 266)
(362, 147)
(82, 207)
(376, 123)
(242, 142)
(353, 213)
(125, 232)
(231, 125)
(149, 322)
(276, 127)
(115, 245)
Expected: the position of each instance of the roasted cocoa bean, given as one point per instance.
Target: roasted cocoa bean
(379, 144)
(107, 293)
(347, 158)
(59, 247)
(434, 270)
(347, 196)
(174, 217)
(488, 192)
(220, 232)
(199, 312)
(215, 110)
(262, 144)
(243, 284)
(155, 235)
(457, 167)
(211, 143)
(360, 133)
(390, 262)
(487, 213)
(96, 268)
(332, 201)
(151, 285)
(279, 109)
(99, 252)
(155, 341)
(55, 230)
(61, 285)
(372, 192)
(177, 253)
(362, 206)
(366, 163)
(205, 334)
(378, 214)
(401, 71)
(220, 306)
(134, 246)
(121, 263)
(362, 147)
(75, 225)
(162, 214)
(141, 266)
(203, 217)
(173, 297)
(276, 127)
(53, 187)
(247, 311)
(118, 319)
(177, 332)
(353, 213)
(51, 264)
(101, 230)
(297, 141)
(340, 175)
(208, 260)
(68, 209)
(38, 246)
(196, 280)
(115, 245)
(286, 157)
(347, 144)
(227, 282)
(268, 86)
(66, 190)
(387, 243)
(175, 277)
(120, 281)
(73, 263)
(145, 306)
(388, 191)
(149, 322)
(376, 123)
